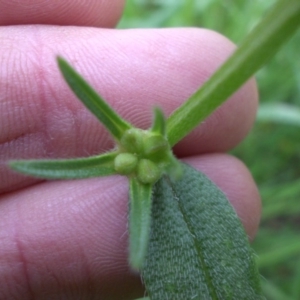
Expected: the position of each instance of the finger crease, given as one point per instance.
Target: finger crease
(24, 264)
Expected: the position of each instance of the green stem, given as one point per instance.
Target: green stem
(259, 46)
(139, 221)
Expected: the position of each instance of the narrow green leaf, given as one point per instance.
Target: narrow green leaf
(139, 221)
(92, 100)
(279, 113)
(100, 165)
(198, 248)
(159, 122)
(278, 255)
(258, 47)
(273, 291)
(295, 287)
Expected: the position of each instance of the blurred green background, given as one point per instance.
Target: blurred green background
(272, 149)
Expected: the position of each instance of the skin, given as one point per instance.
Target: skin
(68, 239)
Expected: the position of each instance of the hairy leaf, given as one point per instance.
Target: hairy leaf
(198, 248)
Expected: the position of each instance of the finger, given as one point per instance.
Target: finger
(81, 13)
(80, 247)
(134, 70)
(61, 236)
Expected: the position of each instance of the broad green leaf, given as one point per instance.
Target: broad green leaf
(139, 221)
(100, 165)
(257, 49)
(198, 248)
(92, 100)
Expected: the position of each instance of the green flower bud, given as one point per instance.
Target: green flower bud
(125, 163)
(132, 140)
(155, 145)
(147, 171)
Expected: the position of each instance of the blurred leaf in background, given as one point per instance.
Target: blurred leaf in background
(272, 149)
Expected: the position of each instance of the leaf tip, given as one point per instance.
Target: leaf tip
(159, 121)
(17, 165)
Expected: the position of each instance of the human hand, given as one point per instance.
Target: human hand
(68, 239)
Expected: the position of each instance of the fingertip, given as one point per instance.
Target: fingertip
(80, 13)
(68, 234)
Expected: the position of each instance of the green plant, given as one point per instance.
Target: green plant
(146, 157)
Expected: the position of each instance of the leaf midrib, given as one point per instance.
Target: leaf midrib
(196, 244)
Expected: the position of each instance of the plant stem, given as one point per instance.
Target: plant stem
(258, 47)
